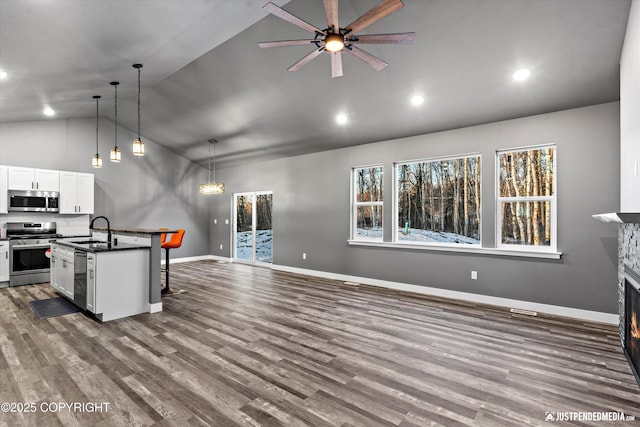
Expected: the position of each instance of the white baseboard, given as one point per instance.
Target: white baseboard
(155, 307)
(187, 259)
(220, 258)
(592, 316)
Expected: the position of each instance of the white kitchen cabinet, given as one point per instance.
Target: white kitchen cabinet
(76, 193)
(3, 190)
(4, 261)
(20, 178)
(118, 283)
(62, 274)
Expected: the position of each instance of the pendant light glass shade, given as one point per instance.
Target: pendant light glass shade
(115, 155)
(212, 187)
(96, 161)
(138, 145)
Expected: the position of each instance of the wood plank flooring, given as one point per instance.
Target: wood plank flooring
(248, 346)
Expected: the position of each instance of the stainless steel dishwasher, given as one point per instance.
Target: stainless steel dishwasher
(80, 279)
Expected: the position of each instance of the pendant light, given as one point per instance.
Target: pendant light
(115, 155)
(138, 145)
(212, 187)
(96, 161)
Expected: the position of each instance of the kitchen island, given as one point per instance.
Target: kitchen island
(108, 280)
(149, 238)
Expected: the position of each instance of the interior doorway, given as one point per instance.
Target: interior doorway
(253, 230)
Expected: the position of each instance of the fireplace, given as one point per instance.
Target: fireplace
(632, 325)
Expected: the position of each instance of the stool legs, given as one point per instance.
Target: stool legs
(166, 272)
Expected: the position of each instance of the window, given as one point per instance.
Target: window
(367, 203)
(526, 203)
(438, 201)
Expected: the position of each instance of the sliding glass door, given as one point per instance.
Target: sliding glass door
(253, 231)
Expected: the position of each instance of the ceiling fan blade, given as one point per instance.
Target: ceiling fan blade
(385, 8)
(331, 9)
(396, 38)
(304, 61)
(374, 62)
(336, 65)
(286, 43)
(283, 14)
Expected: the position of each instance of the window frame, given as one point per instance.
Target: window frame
(396, 192)
(553, 199)
(353, 226)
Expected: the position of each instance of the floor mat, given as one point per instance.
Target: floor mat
(52, 307)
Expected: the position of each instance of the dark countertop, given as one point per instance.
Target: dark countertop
(101, 246)
(135, 230)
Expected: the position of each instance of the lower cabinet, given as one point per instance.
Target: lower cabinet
(62, 274)
(4, 261)
(118, 283)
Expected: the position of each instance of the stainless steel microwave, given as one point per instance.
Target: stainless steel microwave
(33, 201)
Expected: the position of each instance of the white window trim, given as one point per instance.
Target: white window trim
(553, 245)
(397, 243)
(353, 218)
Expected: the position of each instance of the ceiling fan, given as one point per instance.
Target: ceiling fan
(335, 39)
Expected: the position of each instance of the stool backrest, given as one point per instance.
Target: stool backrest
(175, 240)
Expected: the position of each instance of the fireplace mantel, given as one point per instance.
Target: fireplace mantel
(619, 217)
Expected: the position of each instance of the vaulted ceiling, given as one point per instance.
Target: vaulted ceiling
(204, 75)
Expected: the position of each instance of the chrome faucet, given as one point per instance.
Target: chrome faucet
(108, 227)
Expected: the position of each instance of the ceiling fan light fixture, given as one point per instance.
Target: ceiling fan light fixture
(334, 42)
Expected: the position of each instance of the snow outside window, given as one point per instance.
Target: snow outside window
(526, 202)
(367, 203)
(438, 201)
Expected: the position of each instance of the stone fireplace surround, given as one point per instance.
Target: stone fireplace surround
(628, 263)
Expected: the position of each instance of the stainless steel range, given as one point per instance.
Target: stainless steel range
(28, 246)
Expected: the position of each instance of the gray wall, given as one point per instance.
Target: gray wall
(311, 211)
(157, 190)
(630, 114)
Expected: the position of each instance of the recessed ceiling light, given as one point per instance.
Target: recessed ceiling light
(521, 75)
(342, 119)
(417, 100)
(3, 74)
(48, 111)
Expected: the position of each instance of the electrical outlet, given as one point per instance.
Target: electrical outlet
(215, 220)
(304, 255)
(221, 247)
(226, 221)
(474, 275)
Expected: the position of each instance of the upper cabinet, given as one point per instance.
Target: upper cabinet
(3, 189)
(20, 178)
(76, 193)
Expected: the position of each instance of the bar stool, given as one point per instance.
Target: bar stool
(173, 242)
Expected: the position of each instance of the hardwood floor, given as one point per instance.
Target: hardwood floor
(248, 346)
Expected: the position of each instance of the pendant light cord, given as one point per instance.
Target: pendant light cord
(115, 86)
(139, 101)
(97, 101)
(210, 143)
(214, 163)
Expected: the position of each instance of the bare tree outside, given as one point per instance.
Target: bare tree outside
(439, 200)
(526, 183)
(368, 202)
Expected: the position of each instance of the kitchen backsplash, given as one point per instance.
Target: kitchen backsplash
(67, 225)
